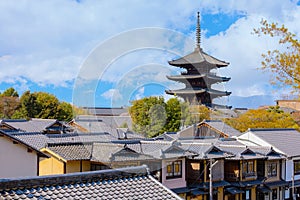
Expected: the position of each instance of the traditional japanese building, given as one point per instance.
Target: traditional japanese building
(198, 76)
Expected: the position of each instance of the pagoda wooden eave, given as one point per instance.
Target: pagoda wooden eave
(197, 76)
(186, 77)
(185, 91)
(218, 78)
(218, 93)
(198, 91)
(197, 57)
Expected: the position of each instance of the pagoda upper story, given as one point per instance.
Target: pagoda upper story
(198, 76)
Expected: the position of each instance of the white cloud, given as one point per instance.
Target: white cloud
(112, 94)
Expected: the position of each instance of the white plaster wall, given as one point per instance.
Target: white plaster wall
(15, 161)
(174, 182)
(283, 170)
(290, 171)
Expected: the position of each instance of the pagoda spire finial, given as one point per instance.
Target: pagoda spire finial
(198, 31)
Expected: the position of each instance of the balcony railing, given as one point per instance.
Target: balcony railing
(232, 176)
(249, 175)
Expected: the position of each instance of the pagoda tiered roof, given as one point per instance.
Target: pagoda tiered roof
(197, 76)
(212, 92)
(197, 57)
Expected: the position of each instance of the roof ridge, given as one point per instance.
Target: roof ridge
(53, 144)
(271, 129)
(232, 145)
(155, 142)
(207, 144)
(64, 179)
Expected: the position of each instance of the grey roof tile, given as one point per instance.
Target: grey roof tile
(126, 183)
(33, 125)
(197, 57)
(35, 139)
(284, 140)
(108, 152)
(93, 126)
(222, 127)
(72, 151)
(161, 149)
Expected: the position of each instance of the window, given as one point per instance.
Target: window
(248, 167)
(174, 169)
(297, 167)
(272, 169)
(287, 194)
(247, 195)
(274, 194)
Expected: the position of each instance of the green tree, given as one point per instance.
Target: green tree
(261, 118)
(174, 115)
(141, 114)
(152, 116)
(10, 92)
(43, 105)
(9, 103)
(194, 113)
(48, 105)
(157, 115)
(65, 112)
(285, 63)
(29, 105)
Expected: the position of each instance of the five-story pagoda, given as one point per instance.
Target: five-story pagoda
(198, 77)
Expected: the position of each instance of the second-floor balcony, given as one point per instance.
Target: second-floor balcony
(235, 176)
(249, 175)
(231, 176)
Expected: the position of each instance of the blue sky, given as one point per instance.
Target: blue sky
(106, 53)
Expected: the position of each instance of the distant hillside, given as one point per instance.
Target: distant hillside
(251, 101)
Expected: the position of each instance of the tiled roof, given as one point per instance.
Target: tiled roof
(93, 126)
(269, 152)
(80, 137)
(284, 140)
(35, 139)
(117, 121)
(161, 149)
(69, 146)
(124, 133)
(222, 127)
(108, 152)
(125, 183)
(241, 152)
(168, 136)
(197, 57)
(39, 140)
(187, 132)
(105, 111)
(33, 125)
(205, 150)
(73, 151)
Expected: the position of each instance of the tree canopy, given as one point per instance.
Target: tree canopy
(9, 103)
(33, 105)
(272, 117)
(284, 63)
(152, 116)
